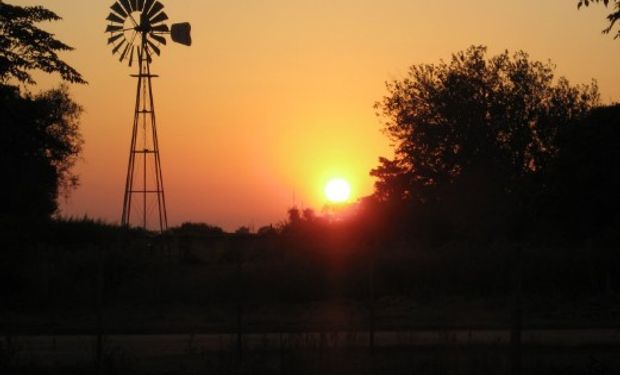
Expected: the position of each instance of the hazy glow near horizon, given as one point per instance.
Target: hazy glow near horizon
(275, 97)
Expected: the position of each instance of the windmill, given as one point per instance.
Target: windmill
(137, 31)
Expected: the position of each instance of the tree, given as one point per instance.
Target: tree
(40, 145)
(243, 230)
(197, 229)
(40, 140)
(25, 47)
(613, 17)
(472, 134)
(294, 216)
(581, 185)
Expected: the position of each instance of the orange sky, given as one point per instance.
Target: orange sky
(276, 96)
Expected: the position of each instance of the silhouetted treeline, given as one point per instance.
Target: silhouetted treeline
(495, 149)
(195, 283)
(572, 199)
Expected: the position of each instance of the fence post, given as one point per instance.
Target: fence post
(371, 299)
(517, 312)
(99, 307)
(240, 295)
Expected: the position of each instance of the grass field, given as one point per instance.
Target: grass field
(252, 305)
(424, 352)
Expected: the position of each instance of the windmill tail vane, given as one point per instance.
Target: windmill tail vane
(137, 30)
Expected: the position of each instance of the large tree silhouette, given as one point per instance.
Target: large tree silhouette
(40, 139)
(472, 134)
(581, 185)
(39, 145)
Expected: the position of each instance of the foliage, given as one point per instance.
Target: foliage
(197, 229)
(267, 231)
(243, 230)
(581, 188)
(40, 144)
(473, 134)
(54, 279)
(25, 47)
(613, 17)
(40, 133)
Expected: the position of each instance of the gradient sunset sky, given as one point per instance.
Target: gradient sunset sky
(276, 96)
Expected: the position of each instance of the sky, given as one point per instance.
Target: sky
(275, 97)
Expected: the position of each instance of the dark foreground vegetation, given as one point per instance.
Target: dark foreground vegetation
(290, 358)
(310, 297)
(321, 277)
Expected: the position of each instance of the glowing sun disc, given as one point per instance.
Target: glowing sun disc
(337, 190)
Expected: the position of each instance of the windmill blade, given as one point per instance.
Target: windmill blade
(152, 28)
(114, 18)
(160, 28)
(157, 7)
(124, 53)
(119, 9)
(126, 5)
(159, 18)
(113, 28)
(181, 33)
(114, 38)
(148, 4)
(158, 38)
(154, 47)
(118, 46)
(133, 48)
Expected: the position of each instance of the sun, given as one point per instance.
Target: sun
(337, 190)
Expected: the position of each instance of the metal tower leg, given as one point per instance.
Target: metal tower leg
(147, 186)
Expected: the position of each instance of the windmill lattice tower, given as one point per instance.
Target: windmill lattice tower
(137, 31)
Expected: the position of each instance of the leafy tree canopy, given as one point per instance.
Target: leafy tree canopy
(25, 47)
(501, 114)
(40, 144)
(197, 229)
(470, 134)
(613, 17)
(40, 140)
